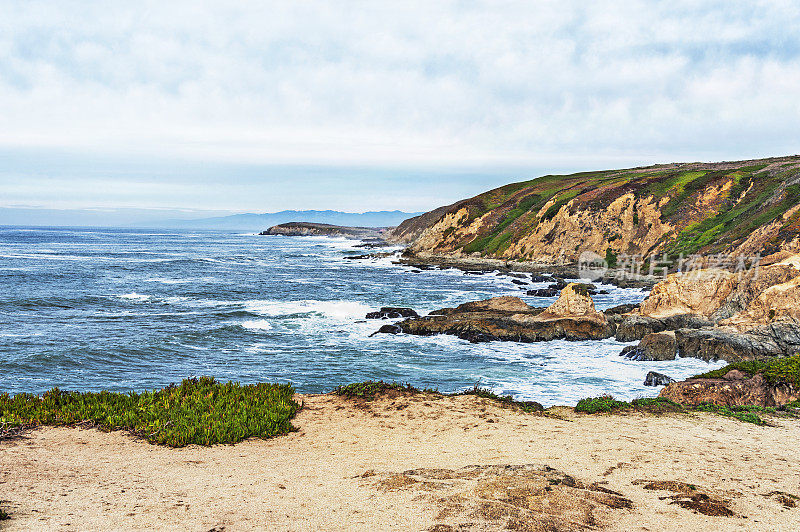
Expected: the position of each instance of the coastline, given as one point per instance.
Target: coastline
(483, 264)
(359, 464)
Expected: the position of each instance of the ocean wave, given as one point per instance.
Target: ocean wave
(338, 309)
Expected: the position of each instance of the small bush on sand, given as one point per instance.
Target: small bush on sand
(369, 390)
(748, 414)
(604, 403)
(656, 405)
(200, 411)
(526, 406)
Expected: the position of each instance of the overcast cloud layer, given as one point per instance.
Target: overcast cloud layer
(489, 89)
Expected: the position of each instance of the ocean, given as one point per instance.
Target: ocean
(134, 309)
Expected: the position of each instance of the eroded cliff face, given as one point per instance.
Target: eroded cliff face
(748, 300)
(719, 315)
(745, 207)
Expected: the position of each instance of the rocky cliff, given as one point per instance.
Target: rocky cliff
(744, 207)
(715, 314)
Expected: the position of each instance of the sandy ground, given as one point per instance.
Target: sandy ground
(344, 470)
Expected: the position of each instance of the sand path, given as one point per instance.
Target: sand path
(77, 479)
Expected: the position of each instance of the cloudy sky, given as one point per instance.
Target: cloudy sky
(355, 106)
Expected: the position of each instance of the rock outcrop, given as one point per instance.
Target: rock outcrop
(654, 346)
(315, 229)
(736, 388)
(634, 326)
(571, 317)
(719, 315)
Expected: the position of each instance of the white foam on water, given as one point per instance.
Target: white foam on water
(563, 372)
(135, 296)
(169, 281)
(341, 310)
(186, 280)
(257, 325)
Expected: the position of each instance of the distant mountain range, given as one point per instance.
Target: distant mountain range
(260, 222)
(188, 220)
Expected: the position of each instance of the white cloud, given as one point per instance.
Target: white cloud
(414, 83)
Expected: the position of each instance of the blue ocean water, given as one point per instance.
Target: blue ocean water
(113, 309)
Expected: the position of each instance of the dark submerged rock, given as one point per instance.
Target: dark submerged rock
(387, 329)
(386, 313)
(544, 292)
(655, 378)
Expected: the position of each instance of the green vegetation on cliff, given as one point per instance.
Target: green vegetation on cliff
(699, 208)
(775, 371)
(200, 411)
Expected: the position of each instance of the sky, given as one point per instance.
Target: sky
(357, 106)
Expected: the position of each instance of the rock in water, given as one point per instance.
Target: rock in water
(654, 346)
(387, 329)
(574, 303)
(386, 313)
(544, 292)
(655, 378)
(571, 317)
(636, 327)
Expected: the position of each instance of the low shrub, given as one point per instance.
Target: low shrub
(748, 414)
(369, 390)
(200, 411)
(526, 406)
(604, 403)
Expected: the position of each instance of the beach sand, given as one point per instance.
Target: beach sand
(344, 470)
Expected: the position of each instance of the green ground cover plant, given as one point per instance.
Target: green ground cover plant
(198, 410)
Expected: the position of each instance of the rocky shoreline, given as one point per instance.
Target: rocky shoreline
(709, 314)
(614, 277)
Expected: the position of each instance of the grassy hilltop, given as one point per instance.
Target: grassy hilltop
(742, 207)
